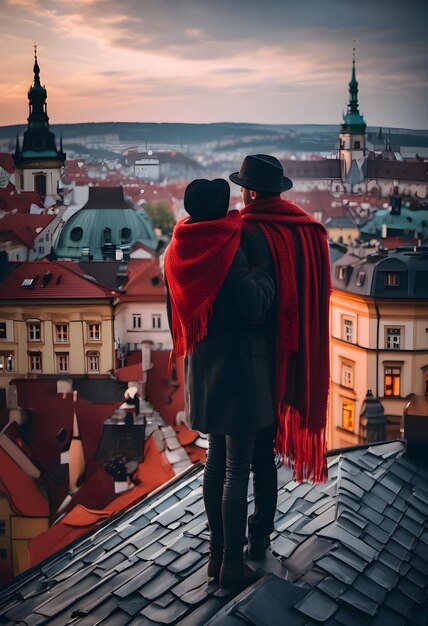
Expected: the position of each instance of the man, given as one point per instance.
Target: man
(281, 238)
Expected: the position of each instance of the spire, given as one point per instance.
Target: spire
(353, 88)
(36, 68)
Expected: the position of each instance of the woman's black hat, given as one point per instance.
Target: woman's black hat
(207, 199)
(262, 172)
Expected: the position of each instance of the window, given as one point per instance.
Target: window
(348, 330)
(62, 361)
(361, 278)
(391, 279)
(393, 338)
(347, 376)
(47, 237)
(61, 333)
(94, 332)
(136, 320)
(125, 234)
(348, 415)
(2, 527)
(392, 381)
(40, 184)
(341, 272)
(107, 235)
(34, 331)
(6, 362)
(3, 330)
(156, 322)
(76, 234)
(35, 362)
(93, 359)
(41, 249)
(357, 145)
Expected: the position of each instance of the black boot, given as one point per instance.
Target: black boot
(214, 561)
(236, 576)
(257, 547)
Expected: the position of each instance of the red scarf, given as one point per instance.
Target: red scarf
(196, 263)
(300, 252)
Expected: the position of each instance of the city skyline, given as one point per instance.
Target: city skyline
(271, 62)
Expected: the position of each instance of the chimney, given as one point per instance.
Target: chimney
(416, 428)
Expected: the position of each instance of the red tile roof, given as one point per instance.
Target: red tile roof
(164, 394)
(145, 282)
(49, 413)
(152, 473)
(24, 496)
(130, 372)
(64, 282)
(6, 571)
(11, 200)
(24, 228)
(6, 162)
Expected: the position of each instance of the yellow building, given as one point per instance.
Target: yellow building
(54, 321)
(379, 338)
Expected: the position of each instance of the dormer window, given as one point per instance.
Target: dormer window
(392, 279)
(361, 279)
(76, 234)
(341, 272)
(125, 234)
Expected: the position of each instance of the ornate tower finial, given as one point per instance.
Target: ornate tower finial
(36, 68)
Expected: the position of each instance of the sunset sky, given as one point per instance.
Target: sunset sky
(266, 61)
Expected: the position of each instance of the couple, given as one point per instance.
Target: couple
(247, 297)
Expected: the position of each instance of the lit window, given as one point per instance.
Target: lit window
(62, 362)
(93, 362)
(347, 376)
(393, 337)
(136, 320)
(392, 381)
(94, 332)
(6, 362)
(3, 330)
(348, 415)
(348, 330)
(35, 362)
(61, 333)
(156, 322)
(34, 331)
(392, 279)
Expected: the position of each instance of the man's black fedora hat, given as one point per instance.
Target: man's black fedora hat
(207, 199)
(262, 172)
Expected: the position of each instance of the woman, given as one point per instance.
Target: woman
(215, 304)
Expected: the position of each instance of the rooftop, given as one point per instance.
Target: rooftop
(350, 552)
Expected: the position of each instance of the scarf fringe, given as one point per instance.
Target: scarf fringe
(194, 331)
(300, 448)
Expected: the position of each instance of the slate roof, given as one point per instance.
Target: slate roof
(351, 552)
(401, 170)
(322, 168)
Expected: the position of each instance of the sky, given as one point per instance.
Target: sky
(259, 61)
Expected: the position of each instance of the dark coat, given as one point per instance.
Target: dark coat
(229, 375)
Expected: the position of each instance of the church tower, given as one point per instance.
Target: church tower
(352, 150)
(38, 162)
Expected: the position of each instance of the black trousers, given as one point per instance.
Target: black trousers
(229, 461)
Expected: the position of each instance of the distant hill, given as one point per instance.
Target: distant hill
(222, 136)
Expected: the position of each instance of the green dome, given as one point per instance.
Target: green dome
(105, 224)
